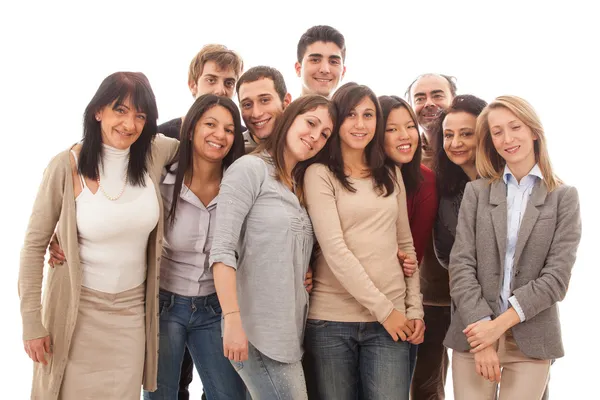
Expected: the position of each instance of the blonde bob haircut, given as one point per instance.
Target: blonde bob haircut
(489, 164)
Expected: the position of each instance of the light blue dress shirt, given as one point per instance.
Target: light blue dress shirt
(517, 197)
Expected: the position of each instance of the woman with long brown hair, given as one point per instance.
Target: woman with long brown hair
(261, 250)
(361, 304)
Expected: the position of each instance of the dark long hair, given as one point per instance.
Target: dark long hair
(451, 179)
(411, 171)
(346, 98)
(276, 142)
(114, 90)
(185, 154)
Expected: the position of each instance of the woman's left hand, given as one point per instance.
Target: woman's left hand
(481, 334)
(308, 281)
(418, 334)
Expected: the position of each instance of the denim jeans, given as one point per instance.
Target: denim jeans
(195, 322)
(268, 379)
(342, 354)
(413, 350)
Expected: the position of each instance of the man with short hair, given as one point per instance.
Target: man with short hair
(215, 69)
(262, 96)
(321, 54)
(429, 95)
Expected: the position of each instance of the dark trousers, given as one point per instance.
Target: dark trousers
(432, 357)
(187, 374)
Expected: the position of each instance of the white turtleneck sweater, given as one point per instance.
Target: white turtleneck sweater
(113, 234)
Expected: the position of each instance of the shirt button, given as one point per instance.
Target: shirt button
(158, 259)
(159, 241)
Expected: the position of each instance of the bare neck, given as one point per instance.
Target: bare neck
(355, 162)
(205, 171)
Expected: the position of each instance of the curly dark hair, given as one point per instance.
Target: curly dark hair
(451, 179)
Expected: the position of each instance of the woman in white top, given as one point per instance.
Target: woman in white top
(96, 334)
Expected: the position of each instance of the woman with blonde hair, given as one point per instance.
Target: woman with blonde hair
(516, 241)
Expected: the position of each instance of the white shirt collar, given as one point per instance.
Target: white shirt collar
(535, 171)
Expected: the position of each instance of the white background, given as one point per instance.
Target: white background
(54, 56)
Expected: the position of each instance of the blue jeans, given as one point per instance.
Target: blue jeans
(268, 379)
(342, 354)
(414, 350)
(195, 322)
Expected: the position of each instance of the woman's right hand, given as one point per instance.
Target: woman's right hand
(487, 364)
(57, 256)
(397, 325)
(36, 349)
(235, 342)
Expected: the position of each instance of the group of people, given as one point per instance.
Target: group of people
(334, 248)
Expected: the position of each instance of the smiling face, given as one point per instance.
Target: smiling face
(512, 139)
(460, 143)
(358, 128)
(214, 80)
(261, 106)
(430, 95)
(214, 134)
(308, 134)
(121, 124)
(321, 69)
(401, 136)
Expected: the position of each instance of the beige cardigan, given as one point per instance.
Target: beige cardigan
(56, 315)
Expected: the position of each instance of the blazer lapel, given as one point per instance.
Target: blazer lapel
(538, 196)
(498, 198)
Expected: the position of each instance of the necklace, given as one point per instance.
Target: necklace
(111, 198)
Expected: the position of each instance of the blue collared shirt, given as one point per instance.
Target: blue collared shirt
(517, 197)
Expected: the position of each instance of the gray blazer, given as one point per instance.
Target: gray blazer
(545, 253)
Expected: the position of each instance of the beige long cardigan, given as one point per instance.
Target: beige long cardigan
(56, 315)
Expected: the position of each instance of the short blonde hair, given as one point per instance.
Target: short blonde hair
(489, 163)
(221, 55)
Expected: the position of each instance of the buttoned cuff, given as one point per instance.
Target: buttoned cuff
(515, 304)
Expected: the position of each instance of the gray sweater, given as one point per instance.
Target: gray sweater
(264, 233)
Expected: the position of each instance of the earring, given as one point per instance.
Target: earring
(97, 118)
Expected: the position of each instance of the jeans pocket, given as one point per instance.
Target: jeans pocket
(215, 308)
(316, 323)
(164, 302)
(238, 365)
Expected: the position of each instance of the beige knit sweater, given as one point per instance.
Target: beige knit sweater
(357, 275)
